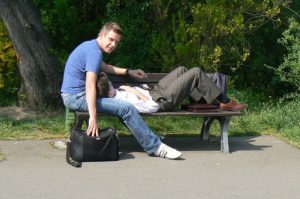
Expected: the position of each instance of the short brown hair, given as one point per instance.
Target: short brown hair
(102, 85)
(111, 26)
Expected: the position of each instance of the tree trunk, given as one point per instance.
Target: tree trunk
(39, 70)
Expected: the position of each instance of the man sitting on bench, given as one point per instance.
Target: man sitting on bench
(79, 90)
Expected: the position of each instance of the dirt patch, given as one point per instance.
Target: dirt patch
(16, 112)
(59, 144)
(2, 157)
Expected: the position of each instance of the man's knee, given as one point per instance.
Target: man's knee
(182, 69)
(196, 70)
(115, 107)
(127, 108)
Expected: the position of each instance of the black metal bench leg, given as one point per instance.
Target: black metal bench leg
(79, 122)
(69, 119)
(207, 121)
(224, 123)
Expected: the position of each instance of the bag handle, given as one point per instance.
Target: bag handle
(69, 160)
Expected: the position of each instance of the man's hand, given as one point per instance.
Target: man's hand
(93, 127)
(137, 73)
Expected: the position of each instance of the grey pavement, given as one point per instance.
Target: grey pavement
(257, 167)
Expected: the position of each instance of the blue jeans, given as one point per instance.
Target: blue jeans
(124, 110)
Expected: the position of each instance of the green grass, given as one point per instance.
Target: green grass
(42, 126)
(263, 116)
(268, 116)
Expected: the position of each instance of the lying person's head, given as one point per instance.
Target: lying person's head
(104, 87)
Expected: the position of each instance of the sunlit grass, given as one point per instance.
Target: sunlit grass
(40, 127)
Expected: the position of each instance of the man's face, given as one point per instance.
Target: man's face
(112, 91)
(109, 41)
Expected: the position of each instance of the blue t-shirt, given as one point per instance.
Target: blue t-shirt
(85, 57)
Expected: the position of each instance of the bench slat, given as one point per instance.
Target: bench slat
(177, 113)
(151, 78)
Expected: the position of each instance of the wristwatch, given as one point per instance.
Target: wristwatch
(127, 71)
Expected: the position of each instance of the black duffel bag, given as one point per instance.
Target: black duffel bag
(84, 148)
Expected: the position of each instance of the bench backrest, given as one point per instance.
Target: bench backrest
(153, 78)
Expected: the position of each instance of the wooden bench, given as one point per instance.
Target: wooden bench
(223, 117)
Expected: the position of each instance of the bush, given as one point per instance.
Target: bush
(135, 48)
(9, 75)
(289, 70)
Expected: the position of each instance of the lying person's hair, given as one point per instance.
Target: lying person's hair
(102, 85)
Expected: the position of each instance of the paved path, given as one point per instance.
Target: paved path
(258, 167)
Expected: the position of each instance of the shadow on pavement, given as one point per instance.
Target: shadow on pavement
(129, 144)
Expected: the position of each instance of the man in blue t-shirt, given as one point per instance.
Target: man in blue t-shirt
(79, 90)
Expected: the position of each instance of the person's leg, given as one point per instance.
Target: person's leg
(192, 79)
(170, 77)
(134, 122)
(158, 93)
(130, 117)
(74, 101)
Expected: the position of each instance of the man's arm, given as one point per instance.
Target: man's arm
(122, 71)
(90, 84)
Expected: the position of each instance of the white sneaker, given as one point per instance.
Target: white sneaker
(165, 151)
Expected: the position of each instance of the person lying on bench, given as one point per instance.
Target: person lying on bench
(171, 91)
(137, 96)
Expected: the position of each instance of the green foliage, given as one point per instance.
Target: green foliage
(9, 75)
(161, 34)
(234, 37)
(217, 33)
(289, 70)
(266, 51)
(209, 34)
(170, 42)
(134, 18)
(68, 23)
